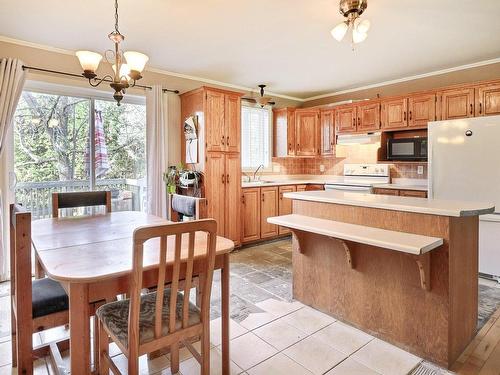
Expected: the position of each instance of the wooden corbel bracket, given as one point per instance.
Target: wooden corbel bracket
(299, 237)
(347, 251)
(424, 268)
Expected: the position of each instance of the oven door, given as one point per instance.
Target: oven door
(351, 188)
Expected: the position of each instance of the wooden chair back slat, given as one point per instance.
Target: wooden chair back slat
(175, 283)
(80, 199)
(180, 231)
(188, 279)
(160, 288)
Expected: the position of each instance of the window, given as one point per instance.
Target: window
(55, 152)
(255, 137)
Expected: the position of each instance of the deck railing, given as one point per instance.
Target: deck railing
(127, 194)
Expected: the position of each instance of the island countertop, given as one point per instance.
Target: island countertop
(396, 203)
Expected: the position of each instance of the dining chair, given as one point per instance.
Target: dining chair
(165, 318)
(36, 305)
(80, 199)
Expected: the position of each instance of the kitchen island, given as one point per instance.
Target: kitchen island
(403, 269)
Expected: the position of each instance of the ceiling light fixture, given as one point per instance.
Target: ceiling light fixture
(130, 64)
(352, 10)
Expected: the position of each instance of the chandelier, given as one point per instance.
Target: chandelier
(352, 10)
(127, 66)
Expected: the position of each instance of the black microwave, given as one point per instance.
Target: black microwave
(407, 149)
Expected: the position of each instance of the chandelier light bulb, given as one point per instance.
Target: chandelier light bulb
(89, 60)
(339, 31)
(136, 60)
(124, 71)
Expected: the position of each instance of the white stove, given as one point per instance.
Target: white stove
(360, 178)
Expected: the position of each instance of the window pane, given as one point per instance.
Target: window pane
(51, 136)
(120, 153)
(256, 137)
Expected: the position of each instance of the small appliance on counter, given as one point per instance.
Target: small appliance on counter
(407, 149)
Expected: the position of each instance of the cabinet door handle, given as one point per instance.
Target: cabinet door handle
(262, 197)
(243, 199)
(298, 146)
(281, 196)
(471, 108)
(223, 179)
(410, 115)
(480, 108)
(227, 141)
(404, 116)
(359, 121)
(222, 140)
(227, 178)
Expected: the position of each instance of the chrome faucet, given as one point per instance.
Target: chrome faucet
(257, 170)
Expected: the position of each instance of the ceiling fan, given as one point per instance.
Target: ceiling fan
(261, 100)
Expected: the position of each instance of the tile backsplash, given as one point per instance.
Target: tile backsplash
(333, 165)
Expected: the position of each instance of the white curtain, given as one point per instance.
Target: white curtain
(163, 116)
(12, 79)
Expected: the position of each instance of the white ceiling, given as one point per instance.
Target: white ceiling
(283, 43)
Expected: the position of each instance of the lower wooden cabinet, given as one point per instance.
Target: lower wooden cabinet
(250, 214)
(401, 192)
(268, 208)
(285, 205)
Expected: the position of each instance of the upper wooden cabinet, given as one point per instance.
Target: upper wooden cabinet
(421, 109)
(222, 121)
(345, 119)
(327, 129)
(395, 113)
(456, 103)
(284, 132)
(487, 99)
(307, 132)
(232, 121)
(214, 120)
(368, 116)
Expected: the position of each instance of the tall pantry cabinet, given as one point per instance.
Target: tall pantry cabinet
(219, 129)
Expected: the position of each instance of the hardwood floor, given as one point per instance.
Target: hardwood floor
(482, 356)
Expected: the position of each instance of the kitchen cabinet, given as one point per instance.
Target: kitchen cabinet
(487, 99)
(301, 187)
(250, 214)
(285, 205)
(284, 132)
(457, 103)
(214, 120)
(368, 116)
(345, 119)
(232, 121)
(327, 126)
(268, 208)
(232, 193)
(307, 132)
(394, 113)
(313, 187)
(421, 109)
(219, 126)
(401, 192)
(215, 191)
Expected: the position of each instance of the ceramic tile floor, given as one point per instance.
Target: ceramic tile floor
(271, 334)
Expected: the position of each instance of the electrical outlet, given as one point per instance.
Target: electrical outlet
(276, 168)
(420, 169)
(321, 168)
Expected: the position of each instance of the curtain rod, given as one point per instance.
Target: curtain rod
(26, 67)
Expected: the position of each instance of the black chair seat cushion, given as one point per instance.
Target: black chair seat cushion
(49, 297)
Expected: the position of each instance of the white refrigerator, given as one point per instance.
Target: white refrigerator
(464, 164)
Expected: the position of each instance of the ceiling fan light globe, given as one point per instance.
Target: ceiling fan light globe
(89, 60)
(136, 60)
(339, 31)
(362, 26)
(358, 37)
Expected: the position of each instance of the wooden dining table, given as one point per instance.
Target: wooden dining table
(91, 256)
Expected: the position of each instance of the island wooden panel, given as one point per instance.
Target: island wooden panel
(382, 294)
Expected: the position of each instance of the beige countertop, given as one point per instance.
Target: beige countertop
(396, 203)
